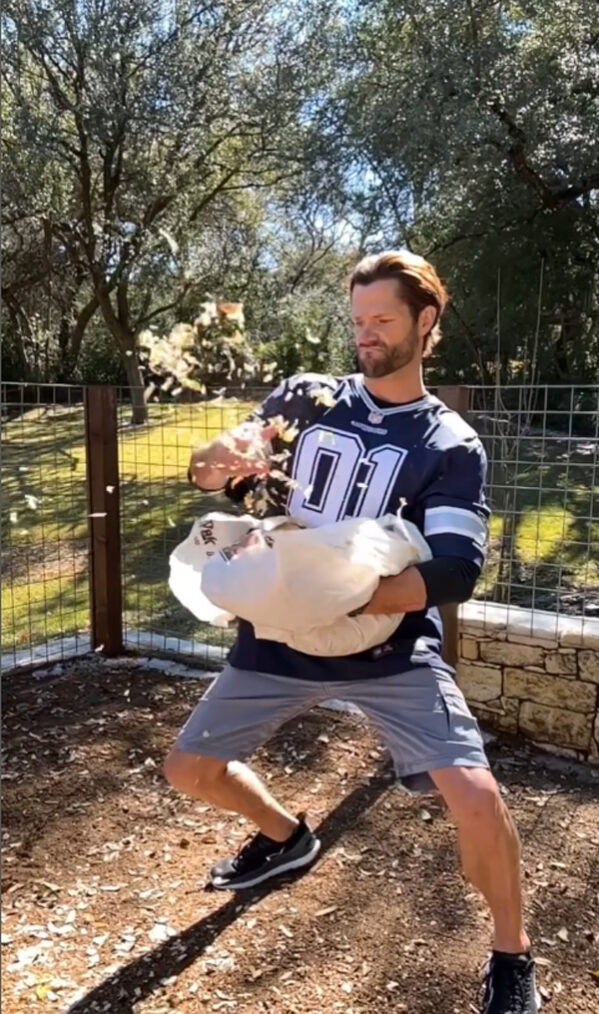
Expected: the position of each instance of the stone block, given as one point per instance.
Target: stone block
(541, 641)
(496, 705)
(529, 627)
(588, 662)
(510, 706)
(594, 751)
(505, 705)
(469, 648)
(562, 663)
(580, 633)
(536, 625)
(478, 682)
(555, 726)
(550, 690)
(483, 617)
(562, 751)
(496, 719)
(511, 654)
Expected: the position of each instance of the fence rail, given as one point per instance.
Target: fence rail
(86, 540)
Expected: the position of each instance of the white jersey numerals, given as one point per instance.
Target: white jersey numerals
(337, 477)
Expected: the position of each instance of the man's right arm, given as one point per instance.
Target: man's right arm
(242, 451)
(245, 450)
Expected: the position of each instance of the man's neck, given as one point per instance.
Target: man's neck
(397, 387)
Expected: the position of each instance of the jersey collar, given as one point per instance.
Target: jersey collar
(378, 409)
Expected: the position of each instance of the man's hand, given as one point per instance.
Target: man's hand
(242, 451)
(402, 593)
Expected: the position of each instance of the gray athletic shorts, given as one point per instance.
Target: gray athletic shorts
(422, 716)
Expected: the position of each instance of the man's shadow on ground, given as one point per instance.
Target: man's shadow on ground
(139, 979)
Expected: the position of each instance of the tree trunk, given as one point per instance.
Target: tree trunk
(20, 323)
(118, 325)
(139, 409)
(83, 319)
(64, 372)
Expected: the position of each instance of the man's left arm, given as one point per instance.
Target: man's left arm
(456, 527)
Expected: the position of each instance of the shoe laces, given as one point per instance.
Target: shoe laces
(509, 985)
(256, 847)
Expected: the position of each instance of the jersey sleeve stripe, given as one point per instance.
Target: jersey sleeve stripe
(478, 540)
(457, 544)
(455, 521)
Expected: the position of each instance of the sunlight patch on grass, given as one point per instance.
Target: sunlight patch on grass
(495, 528)
(542, 533)
(35, 612)
(161, 450)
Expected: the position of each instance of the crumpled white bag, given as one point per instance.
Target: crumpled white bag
(296, 585)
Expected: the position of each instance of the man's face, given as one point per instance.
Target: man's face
(387, 337)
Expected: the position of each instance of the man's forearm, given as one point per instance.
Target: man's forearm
(433, 583)
(244, 450)
(402, 593)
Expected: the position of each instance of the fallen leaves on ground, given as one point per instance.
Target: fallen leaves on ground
(104, 867)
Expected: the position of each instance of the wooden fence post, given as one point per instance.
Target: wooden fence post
(101, 438)
(458, 398)
(455, 396)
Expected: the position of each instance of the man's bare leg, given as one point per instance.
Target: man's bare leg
(490, 849)
(229, 785)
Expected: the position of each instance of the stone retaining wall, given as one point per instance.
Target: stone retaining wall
(534, 675)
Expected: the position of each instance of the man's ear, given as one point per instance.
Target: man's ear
(427, 320)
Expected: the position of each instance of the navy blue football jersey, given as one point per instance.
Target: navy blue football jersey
(343, 453)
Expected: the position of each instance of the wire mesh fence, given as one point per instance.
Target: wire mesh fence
(158, 507)
(542, 444)
(45, 592)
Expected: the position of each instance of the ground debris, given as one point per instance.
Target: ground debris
(103, 904)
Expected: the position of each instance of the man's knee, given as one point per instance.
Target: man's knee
(473, 797)
(482, 806)
(193, 774)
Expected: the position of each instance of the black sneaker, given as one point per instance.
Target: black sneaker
(510, 985)
(261, 858)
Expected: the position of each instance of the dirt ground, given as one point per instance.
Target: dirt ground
(104, 867)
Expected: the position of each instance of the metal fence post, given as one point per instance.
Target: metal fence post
(102, 469)
(457, 398)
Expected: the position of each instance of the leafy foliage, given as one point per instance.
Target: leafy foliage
(154, 154)
(474, 123)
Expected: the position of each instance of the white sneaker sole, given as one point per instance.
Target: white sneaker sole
(293, 864)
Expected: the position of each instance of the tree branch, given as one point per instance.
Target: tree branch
(207, 198)
(83, 318)
(550, 197)
(471, 339)
(310, 261)
(145, 319)
(122, 302)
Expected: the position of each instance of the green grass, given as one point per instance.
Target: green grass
(44, 523)
(552, 547)
(45, 590)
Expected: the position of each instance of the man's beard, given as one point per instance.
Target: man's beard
(388, 360)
